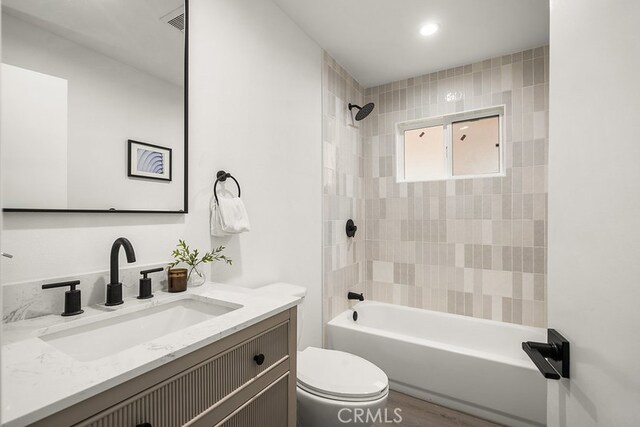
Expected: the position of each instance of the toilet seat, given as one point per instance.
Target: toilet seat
(337, 375)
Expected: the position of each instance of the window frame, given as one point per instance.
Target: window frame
(447, 120)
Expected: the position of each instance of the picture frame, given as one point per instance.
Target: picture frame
(149, 161)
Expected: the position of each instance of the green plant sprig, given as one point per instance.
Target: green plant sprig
(184, 254)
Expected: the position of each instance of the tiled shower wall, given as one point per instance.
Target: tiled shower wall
(475, 247)
(343, 188)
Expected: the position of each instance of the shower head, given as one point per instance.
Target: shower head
(363, 112)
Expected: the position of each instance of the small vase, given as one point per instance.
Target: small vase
(196, 277)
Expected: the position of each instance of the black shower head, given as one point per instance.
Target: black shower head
(363, 111)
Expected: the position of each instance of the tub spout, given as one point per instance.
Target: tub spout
(353, 295)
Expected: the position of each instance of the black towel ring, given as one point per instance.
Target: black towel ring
(222, 177)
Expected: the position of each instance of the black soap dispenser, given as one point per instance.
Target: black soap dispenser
(145, 283)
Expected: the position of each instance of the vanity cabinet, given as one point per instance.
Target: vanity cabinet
(246, 379)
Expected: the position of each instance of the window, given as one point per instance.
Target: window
(461, 145)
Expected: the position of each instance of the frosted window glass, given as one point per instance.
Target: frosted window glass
(476, 146)
(424, 153)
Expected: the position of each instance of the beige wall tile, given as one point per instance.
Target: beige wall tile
(472, 247)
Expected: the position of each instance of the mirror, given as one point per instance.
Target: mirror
(93, 115)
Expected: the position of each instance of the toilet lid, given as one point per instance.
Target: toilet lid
(340, 375)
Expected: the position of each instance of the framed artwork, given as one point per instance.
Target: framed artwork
(148, 161)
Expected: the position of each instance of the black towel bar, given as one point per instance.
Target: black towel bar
(222, 177)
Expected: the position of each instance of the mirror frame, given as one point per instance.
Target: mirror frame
(185, 208)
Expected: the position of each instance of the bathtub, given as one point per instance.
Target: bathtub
(471, 365)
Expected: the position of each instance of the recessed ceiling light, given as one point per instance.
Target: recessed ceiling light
(429, 29)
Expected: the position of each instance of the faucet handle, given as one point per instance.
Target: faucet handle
(72, 283)
(144, 291)
(153, 270)
(72, 300)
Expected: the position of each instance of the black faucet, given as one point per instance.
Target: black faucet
(114, 288)
(353, 295)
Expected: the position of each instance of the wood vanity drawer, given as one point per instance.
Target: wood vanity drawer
(267, 409)
(183, 397)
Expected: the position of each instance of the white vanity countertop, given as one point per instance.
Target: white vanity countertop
(39, 380)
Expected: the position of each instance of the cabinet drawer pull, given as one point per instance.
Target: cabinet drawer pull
(259, 359)
(144, 425)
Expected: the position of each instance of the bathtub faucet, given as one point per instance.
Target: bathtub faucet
(353, 295)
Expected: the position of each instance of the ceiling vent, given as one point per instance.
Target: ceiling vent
(175, 18)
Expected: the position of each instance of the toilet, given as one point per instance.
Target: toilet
(334, 388)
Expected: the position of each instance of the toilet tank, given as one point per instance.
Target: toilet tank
(281, 288)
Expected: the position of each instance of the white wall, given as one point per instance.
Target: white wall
(109, 102)
(255, 110)
(594, 210)
(260, 79)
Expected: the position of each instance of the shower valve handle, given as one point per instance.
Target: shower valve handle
(351, 228)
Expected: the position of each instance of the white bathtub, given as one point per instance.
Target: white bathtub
(472, 365)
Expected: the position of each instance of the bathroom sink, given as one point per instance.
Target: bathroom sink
(116, 332)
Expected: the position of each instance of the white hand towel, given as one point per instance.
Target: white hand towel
(228, 216)
(216, 224)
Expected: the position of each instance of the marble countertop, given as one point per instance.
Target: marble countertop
(39, 380)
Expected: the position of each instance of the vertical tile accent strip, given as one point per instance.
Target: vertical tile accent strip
(343, 187)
